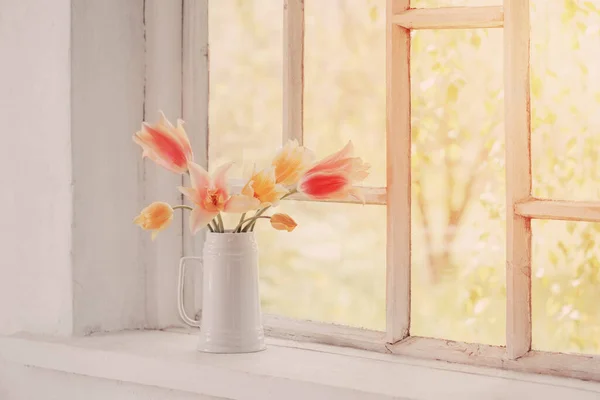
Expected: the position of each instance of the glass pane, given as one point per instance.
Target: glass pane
(331, 268)
(565, 99)
(453, 3)
(344, 67)
(566, 286)
(245, 105)
(458, 185)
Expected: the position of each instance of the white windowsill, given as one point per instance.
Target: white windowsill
(286, 370)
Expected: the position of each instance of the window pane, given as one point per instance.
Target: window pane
(453, 3)
(565, 99)
(566, 286)
(245, 106)
(331, 268)
(458, 185)
(344, 67)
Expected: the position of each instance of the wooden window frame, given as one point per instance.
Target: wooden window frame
(513, 17)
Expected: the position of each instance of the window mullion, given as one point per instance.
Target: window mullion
(518, 176)
(450, 18)
(398, 144)
(293, 70)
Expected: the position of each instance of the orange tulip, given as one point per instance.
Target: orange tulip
(166, 145)
(263, 186)
(333, 177)
(156, 217)
(283, 222)
(211, 196)
(291, 162)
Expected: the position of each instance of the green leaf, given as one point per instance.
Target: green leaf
(570, 11)
(476, 40)
(373, 13)
(563, 248)
(452, 93)
(590, 6)
(553, 258)
(536, 86)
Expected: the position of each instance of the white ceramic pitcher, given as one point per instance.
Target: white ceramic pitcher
(231, 316)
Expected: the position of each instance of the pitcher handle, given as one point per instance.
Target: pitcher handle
(186, 318)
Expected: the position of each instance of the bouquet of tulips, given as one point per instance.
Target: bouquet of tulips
(293, 170)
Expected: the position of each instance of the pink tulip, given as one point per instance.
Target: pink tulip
(166, 145)
(211, 196)
(333, 177)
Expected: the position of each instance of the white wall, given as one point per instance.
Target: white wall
(72, 85)
(35, 166)
(107, 108)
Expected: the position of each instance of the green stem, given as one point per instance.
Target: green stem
(250, 227)
(215, 225)
(239, 225)
(291, 192)
(255, 218)
(183, 207)
(221, 224)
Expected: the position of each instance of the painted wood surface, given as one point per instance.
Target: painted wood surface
(195, 92)
(559, 210)
(450, 18)
(107, 98)
(518, 176)
(398, 142)
(163, 85)
(169, 361)
(293, 70)
(324, 333)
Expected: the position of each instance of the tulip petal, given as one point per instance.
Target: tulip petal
(220, 178)
(291, 162)
(283, 222)
(162, 228)
(240, 204)
(152, 155)
(183, 138)
(323, 185)
(199, 177)
(166, 144)
(329, 161)
(199, 218)
(248, 190)
(191, 194)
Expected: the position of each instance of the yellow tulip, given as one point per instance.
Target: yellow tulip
(156, 217)
(283, 222)
(291, 162)
(264, 187)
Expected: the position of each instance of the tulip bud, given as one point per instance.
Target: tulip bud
(283, 222)
(156, 217)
